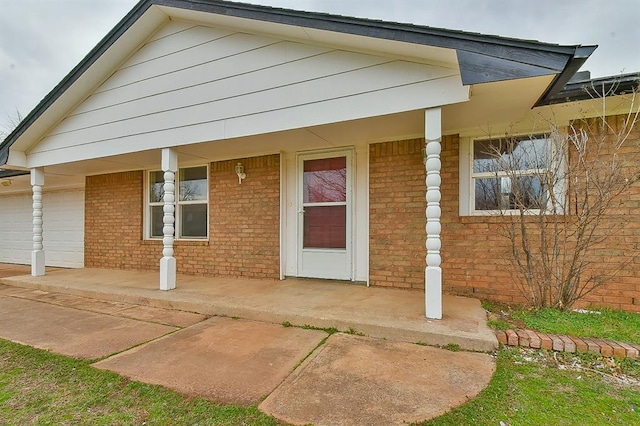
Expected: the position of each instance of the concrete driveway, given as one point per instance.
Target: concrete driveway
(306, 375)
(7, 270)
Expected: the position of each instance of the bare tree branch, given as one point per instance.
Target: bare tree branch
(12, 122)
(558, 216)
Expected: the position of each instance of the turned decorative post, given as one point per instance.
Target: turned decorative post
(37, 255)
(433, 271)
(168, 266)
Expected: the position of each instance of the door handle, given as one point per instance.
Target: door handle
(301, 211)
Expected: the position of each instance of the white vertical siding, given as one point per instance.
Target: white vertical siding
(16, 228)
(63, 228)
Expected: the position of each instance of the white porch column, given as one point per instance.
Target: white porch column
(168, 264)
(433, 272)
(37, 254)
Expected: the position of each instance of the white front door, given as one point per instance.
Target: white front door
(324, 215)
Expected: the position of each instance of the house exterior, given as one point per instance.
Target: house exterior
(227, 139)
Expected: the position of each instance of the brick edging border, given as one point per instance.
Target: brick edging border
(560, 343)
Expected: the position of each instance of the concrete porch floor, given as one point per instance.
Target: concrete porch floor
(377, 312)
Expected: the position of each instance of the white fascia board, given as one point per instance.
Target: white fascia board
(17, 160)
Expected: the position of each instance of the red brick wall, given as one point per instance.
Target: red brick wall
(244, 229)
(476, 257)
(620, 254)
(113, 223)
(244, 224)
(475, 254)
(397, 218)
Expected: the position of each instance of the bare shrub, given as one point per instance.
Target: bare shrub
(561, 196)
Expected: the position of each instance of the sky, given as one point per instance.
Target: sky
(42, 40)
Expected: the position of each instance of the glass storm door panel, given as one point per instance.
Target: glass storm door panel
(325, 216)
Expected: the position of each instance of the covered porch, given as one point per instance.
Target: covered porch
(378, 312)
(197, 125)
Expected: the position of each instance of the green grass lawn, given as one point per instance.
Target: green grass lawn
(607, 323)
(37, 387)
(601, 323)
(530, 387)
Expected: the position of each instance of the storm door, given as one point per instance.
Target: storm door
(325, 216)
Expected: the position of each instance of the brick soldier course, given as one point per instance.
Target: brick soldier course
(560, 343)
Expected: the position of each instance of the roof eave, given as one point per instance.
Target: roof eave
(516, 51)
(528, 58)
(104, 44)
(597, 88)
(582, 53)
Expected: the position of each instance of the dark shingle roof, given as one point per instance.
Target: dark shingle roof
(583, 87)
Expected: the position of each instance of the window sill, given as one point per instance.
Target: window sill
(181, 242)
(496, 217)
(494, 213)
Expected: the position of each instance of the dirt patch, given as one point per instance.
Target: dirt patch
(615, 371)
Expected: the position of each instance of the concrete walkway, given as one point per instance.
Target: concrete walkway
(225, 360)
(307, 376)
(377, 312)
(72, 332)
(353, 380)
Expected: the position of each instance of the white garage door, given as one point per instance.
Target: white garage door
(63, 228)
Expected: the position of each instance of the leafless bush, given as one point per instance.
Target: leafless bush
(561, 196)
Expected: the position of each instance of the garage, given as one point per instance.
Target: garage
(63, 228)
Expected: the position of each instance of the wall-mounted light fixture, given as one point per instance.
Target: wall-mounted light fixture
(6, 182)
(240, 172)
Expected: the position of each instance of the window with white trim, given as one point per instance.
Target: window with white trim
(511, 174)
(192, 199)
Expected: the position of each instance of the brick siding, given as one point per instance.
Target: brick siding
(244, 223)
(244, 229)
(397, 218)
(113, 223)
(620, 253)
(476, 257)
